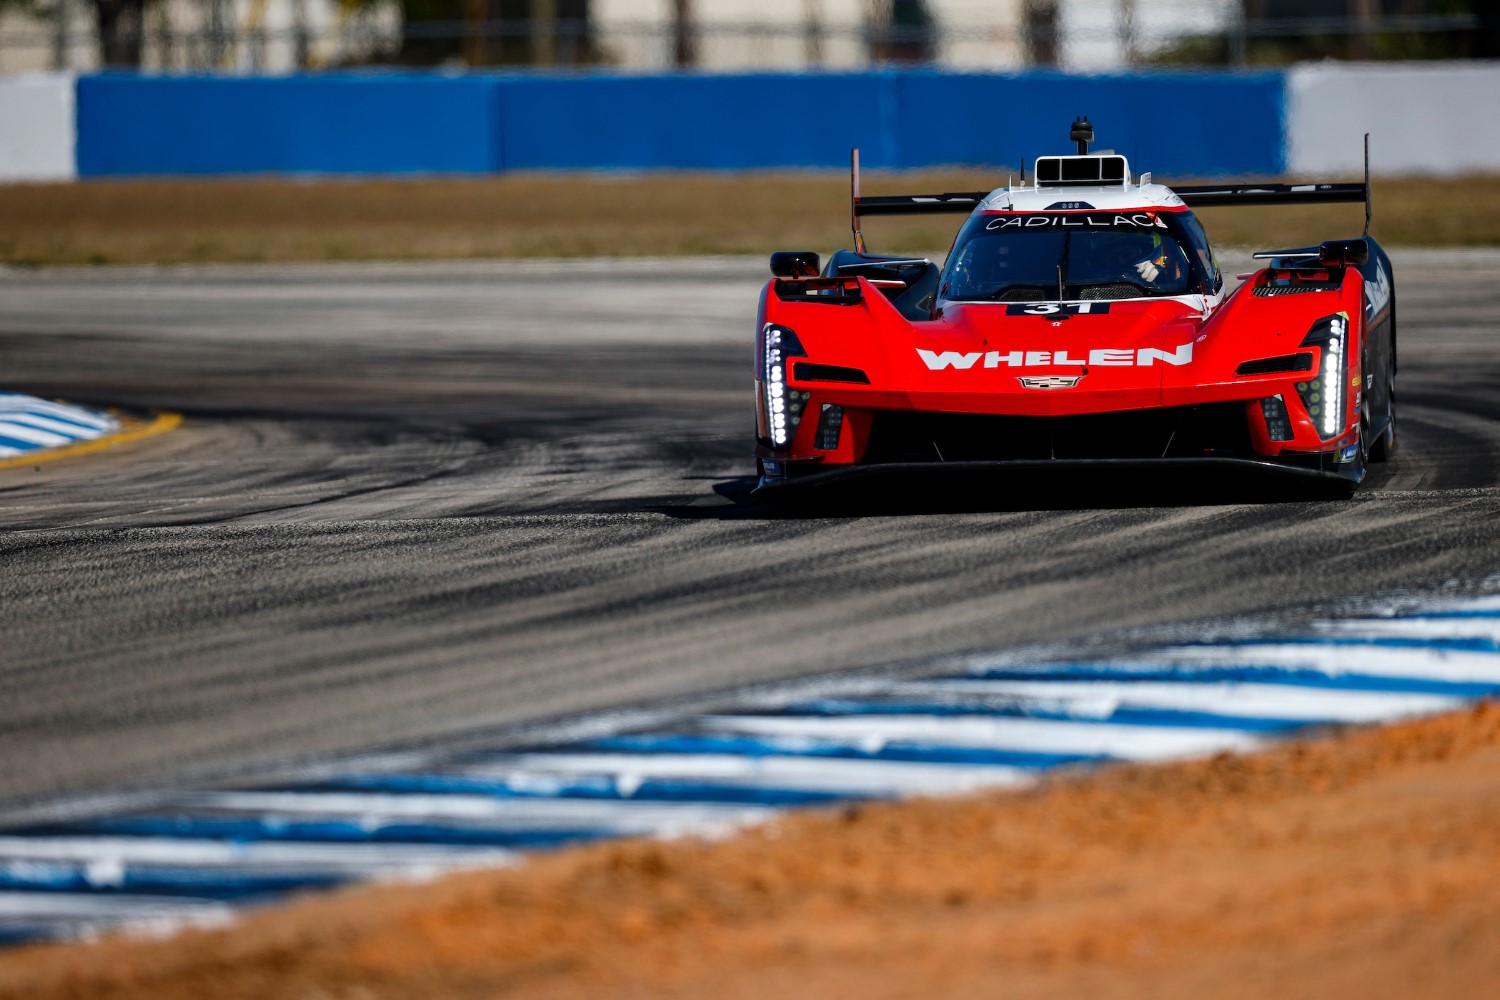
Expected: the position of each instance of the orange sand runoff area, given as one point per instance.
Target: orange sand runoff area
(1364, 864)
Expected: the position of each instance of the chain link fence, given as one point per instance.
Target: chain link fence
(259, 36)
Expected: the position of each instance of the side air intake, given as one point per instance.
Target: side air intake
(1270, 366)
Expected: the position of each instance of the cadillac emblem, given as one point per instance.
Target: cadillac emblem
(1049, 381)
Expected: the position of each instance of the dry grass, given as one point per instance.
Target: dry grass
(176, 221)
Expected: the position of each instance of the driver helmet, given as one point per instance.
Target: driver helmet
(1141, 256)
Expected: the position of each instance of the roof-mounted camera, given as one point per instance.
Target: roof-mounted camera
(1082, 133)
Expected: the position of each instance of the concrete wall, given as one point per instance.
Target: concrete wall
(37, 127)
(1423, 118)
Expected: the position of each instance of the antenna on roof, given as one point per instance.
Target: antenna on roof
(1082, 133)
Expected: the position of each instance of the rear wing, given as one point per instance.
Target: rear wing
(1268, 194)
(1197, 196)
(959, 203)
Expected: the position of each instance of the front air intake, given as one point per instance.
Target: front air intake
(1212, 429)
(805, 371)
(1281, 363)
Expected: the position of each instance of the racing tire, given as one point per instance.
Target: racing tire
(1351, 475)
(1384, 447)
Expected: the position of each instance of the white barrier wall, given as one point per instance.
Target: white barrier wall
(1423, 118)
(37, 134)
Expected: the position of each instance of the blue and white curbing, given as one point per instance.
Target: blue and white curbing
(28, 424)
(197, 856)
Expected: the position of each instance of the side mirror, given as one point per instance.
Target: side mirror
(794, 264)
(1338, 252)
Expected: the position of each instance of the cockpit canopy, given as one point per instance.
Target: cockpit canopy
(1045, 256)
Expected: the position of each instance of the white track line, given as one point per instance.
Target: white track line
(1397, 663)
(807, 774)
(283, 855)
(113, 907)
(42, 423)
(40, 438)
(30, 404)
(1100, 699)
(1416, 628)
(493, 813)
(1028, 735)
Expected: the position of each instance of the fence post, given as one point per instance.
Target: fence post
(62, 58)
(217, 42)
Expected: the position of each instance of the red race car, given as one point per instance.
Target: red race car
(1079, 319)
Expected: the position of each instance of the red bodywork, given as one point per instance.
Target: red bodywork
(1133, 355)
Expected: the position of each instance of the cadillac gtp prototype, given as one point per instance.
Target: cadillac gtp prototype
(1079, 319)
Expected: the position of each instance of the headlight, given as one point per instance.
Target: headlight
(784, 405)
(1324, 396)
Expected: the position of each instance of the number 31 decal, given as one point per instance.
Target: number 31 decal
(1055, 308)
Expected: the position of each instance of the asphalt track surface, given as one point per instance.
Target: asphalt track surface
(412, 503)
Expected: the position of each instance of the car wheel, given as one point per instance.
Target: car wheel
(1383, 447)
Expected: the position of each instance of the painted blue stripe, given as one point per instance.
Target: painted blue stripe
(60, 417)
(1123, 715)
(593, 787)
(906, 752)
(256, 829)
(1266, 674)
(19, 445)
(1453, 614)
(18, 934)
(177, 882)
(69, 423)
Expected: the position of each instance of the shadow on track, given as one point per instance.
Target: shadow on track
(939, 492)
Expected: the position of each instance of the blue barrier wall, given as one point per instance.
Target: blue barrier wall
(1184, 124)
(326, 124)
(689, 122)
(1178, 124)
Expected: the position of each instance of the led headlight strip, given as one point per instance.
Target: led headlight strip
(1324, 395)
(784, 405)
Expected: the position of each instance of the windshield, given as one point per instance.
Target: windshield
(1072, 256)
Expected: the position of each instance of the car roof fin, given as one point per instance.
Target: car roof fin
(1367, 184)
(859, 237)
